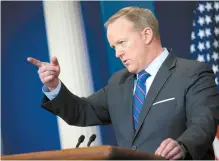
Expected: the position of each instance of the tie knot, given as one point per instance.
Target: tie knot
(143, 76)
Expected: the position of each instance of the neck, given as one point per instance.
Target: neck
(154, 50)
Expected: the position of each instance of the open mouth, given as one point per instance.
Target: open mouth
(124, 61)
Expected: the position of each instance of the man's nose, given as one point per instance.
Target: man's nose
(119, 53)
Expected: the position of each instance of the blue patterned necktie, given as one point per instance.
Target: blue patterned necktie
(139, 96)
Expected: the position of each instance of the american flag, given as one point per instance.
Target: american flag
(205, 43)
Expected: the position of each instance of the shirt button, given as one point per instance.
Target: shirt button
(134, 147)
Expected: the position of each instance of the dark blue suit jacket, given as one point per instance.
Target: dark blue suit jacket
(177, 106)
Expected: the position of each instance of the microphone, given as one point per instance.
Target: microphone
(91, 139)
(80, 140)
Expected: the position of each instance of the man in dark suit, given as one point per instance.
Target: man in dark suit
(159, 104)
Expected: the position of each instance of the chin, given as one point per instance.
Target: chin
(132, 70)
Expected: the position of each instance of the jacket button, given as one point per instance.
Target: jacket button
(134, 147)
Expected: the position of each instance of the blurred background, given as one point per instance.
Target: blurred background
(74, 32)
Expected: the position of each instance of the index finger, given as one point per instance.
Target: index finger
(34, 61)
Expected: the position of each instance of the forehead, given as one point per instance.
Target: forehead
(119, 27)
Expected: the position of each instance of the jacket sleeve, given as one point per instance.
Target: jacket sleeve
(201, 97)
(79, 111)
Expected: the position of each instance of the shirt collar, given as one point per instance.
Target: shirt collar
(155, 65)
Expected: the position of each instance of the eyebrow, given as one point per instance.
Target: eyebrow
(117, 42)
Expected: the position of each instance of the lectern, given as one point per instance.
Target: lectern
(91, 153)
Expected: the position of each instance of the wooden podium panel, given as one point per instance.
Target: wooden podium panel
(91, 153)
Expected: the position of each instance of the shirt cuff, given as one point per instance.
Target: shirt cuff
(186, 155)
(54, 93)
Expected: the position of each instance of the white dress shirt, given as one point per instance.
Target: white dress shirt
(153, 68)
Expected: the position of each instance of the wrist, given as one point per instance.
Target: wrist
(185, 151)
(53, 85)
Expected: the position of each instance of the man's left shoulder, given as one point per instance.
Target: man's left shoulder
(192, 66)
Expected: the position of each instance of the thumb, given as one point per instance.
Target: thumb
(55, 61)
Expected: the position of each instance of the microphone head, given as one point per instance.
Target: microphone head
(93, 137)
(81, 138)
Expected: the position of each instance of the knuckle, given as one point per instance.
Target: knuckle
(163, 143)
(173, 144)
(51, 77)
(41, 75)
(169, 139)
(43, 80)
(46, 73)
(170, 155)
(43, 68)
(51, 72)
(47, 79)
(38, 71)
(53, 69)
(57, 69)
(170, 147)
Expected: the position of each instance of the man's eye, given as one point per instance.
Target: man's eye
(113, 47)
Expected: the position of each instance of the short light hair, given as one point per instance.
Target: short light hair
(141, 18)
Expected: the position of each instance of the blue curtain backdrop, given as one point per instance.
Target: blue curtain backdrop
(175, 20)
(24, 125)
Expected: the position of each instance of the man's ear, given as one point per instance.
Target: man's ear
(147, 35)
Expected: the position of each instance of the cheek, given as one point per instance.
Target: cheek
(138, 51)
(135, 51)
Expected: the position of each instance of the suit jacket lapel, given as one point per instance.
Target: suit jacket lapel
(159, 80)
(126, 90)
